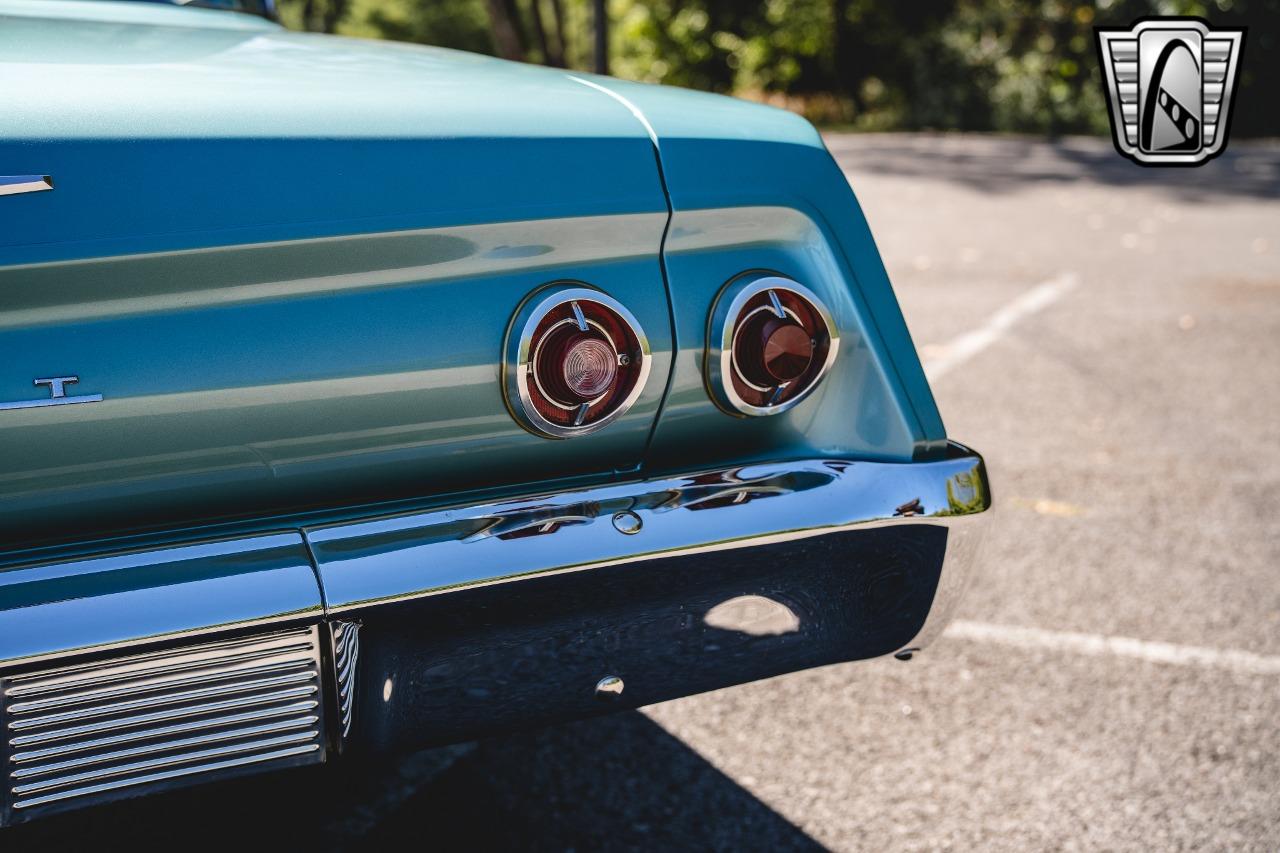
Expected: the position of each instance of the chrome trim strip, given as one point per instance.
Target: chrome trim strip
(186, 711)
(148, 685)
(182, 697)
(167, 775)
(308, 708)
(160, 664)
(53, 610)
(168, 761)
(136, 686)
(55, 401)
(17, 184)
(161, 746)
(57, 395)
(411, 556)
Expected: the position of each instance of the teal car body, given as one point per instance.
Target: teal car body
(287, 263)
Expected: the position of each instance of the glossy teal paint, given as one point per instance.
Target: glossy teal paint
(721, 152)
(164, 137)
(287, 262)
(246, 380)
(854, 411)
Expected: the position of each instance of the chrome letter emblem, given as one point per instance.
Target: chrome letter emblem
(1169, 84)
(57, 394)
(14, 184)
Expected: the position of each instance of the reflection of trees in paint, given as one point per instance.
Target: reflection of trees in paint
(966, 495)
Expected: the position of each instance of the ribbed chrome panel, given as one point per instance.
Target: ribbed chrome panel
(346, 658)
(107, 729)
(1124, 58)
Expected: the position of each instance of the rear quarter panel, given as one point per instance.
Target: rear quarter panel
(753, 187)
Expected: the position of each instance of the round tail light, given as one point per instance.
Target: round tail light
(575, 360)
(771, 341)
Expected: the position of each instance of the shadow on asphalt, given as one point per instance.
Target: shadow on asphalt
(619, 782)
(613, 783)
(1000, 164)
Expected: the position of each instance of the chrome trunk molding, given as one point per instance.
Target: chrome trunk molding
(19, 184)
(415, 555)
(50, 611)
(94, 605)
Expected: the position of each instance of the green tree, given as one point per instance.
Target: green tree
(1009, 65)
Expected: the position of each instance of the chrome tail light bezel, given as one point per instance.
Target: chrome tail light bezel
(727, 316)
(519, 383)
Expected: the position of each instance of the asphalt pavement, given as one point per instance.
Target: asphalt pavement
(1109, 337)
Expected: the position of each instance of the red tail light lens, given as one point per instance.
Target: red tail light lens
(772, 340)
(771, 350)
(576, 360)
(575, 367)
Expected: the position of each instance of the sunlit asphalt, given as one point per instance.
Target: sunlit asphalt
(1090, 699)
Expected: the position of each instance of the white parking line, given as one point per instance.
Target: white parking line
(1099, 645)
(970, 344)
(961, 350)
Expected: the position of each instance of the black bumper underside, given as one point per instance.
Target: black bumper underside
(493, 659)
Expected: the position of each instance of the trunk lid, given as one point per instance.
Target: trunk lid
(287, 263)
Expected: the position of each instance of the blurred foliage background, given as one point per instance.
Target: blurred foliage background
(1027, 66)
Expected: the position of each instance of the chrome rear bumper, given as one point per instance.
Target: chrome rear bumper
(455, 623)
